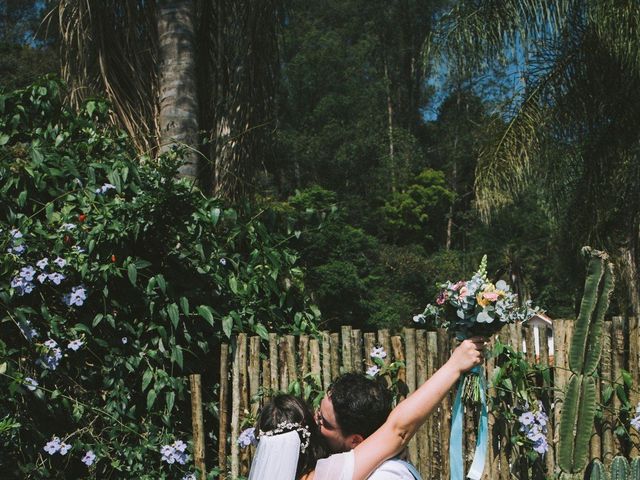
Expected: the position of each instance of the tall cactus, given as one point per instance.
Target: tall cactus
(579, 407)
(635, 469)
(619, 468)
(597, 471)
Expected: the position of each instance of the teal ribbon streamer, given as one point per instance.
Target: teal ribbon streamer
(482, 439)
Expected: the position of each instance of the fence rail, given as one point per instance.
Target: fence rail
(250, 369)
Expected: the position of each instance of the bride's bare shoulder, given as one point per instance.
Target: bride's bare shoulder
(308, 476)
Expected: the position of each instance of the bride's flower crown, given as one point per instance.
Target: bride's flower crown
(285, 427)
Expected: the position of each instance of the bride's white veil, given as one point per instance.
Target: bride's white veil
(276, 457)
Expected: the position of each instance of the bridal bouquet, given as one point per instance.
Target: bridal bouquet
(475, 307)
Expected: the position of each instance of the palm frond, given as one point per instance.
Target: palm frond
(110, 48)
(480, 30)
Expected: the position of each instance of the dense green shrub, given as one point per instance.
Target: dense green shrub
(116, 282)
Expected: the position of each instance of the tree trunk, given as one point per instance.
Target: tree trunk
(392, 160)
(178, 88)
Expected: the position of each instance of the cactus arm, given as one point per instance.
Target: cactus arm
(619, 468)
(584, 424)
(587, 306)
(597, 471)
(635, 469)
(568, 419)
(576, 423)
(592, 355)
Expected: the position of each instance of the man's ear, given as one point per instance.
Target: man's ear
(354, 440)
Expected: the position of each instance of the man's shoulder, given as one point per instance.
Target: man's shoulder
(392, 470)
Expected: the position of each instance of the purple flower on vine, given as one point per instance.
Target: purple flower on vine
(88, 458)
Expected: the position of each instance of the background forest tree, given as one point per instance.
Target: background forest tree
(344, 108)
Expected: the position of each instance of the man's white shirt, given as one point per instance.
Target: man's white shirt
(340, 466)
(391, 470)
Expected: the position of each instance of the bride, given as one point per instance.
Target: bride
(290, 445)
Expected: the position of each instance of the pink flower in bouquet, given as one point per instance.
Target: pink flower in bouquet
(442, 297)
(491, 296)
(463, 292)
(457, 285)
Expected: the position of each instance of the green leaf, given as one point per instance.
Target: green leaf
(170, 398)
(146, 379)
(176, 355)
(22, 198)
(205, 312)
(161, 283)
(3, 367)
(4, 138)
(91, 107)
(184, 305)
(607, 393)
(233, 284)
(227, 325)
(174, 314)
(97, 319)
(151, 398)
(262, 331)
(215, 215)
(132, 271)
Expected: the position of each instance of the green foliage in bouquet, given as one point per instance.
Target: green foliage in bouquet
(579, 407)
(116, 281)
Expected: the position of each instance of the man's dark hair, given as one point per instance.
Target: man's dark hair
(361, 404)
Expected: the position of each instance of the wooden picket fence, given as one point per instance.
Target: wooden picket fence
(251, 369)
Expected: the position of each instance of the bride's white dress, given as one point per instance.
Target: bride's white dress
(336, 467)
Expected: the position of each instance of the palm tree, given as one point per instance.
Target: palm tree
(178, 113)
(572, 126)
(200, 74)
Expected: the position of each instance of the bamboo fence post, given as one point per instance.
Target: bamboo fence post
(369, 343)
(606, 372)
(326, 360)
(385, 342)
(335, 356)
(243, 393)
(356, 350)
(347, 362)
(303, 349)
(291, 359)
(235, 412)
(490, 468)
(410, 378)
(314, 353)
(543, 339)
(283, 365)
(398, 356)
(618, 364)
(410, 357)
(445, 343)
(634, 370)
(254, 374)
(224, 400)
(529, 339)
(273, 360)
(515, 336)
(419, 448)
(197, 424)
(266, 380)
